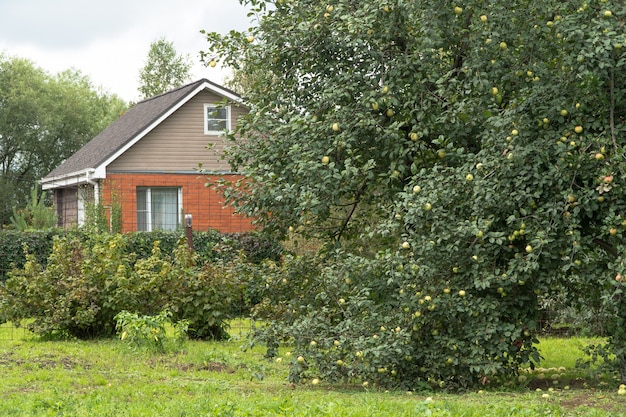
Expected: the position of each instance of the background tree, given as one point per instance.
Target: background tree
(44, 119)
(466, 159)
(164, 69)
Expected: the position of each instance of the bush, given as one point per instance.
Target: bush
(86, 283)
(151, 332)
(353, 319)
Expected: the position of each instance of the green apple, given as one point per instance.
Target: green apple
(417, 189)
(514, 132)
(427, 206)
(563, 112)
(300, 359)
(375, 106)
(390, 112)
(385, 89)
(313, 343)
(461, 293)
(406, 245)
(503, 45)
(608, 13)
(494, 91)
(469, 177)
(458, 10)
(529, 248)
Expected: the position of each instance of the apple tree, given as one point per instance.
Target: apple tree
(462, 159)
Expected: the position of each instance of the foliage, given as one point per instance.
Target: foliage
(87, 282)
(204, 295)
(151, 332)
(35, 216)
(480, 148)
(12, 243)
(164, 69)
(44, 119)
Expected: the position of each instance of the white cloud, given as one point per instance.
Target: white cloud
(109, 40)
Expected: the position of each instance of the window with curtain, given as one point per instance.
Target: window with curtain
(158, 208)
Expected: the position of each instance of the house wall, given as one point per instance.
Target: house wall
(179, 143)
(203, 203)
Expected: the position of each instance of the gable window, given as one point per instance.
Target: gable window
(216, 119)
(158, 208)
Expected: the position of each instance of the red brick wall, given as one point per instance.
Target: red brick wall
(203, 203)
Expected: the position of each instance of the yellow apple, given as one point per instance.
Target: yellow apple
(563, 112)
(494, 91)
(599, 156)
(406, 245)
(329, 8)
(250, 39)
(529, 248)
(503, 45)
(417, 189)
(469, 177)
(578, 129)
(212, 64)
(336, 127)
(414, 136)
(462, 293)
(608, 13)
(427, 206)
(458, 10)
(483, 18)
(514, 132)
(325, 160)
(385, 89)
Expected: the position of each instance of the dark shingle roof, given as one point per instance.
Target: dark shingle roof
(132, 123)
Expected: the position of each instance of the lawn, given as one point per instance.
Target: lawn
(105, 378)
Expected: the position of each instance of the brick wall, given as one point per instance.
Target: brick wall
(203, 203)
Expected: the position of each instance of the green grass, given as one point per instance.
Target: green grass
(104, 378)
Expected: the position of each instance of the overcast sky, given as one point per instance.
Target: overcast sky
(108, 40)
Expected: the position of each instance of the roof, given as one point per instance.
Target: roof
(139, 120)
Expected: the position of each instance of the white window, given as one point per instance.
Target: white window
(216, 119)
(159, 208)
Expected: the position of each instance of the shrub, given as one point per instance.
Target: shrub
(151, 332)
(204, 295)
(354, 319)
(86, 283)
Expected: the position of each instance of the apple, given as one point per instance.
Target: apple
(483, 18)
(563, 112)
(336, 127)
(300, 359)
(315, 381)
(462, 293)
(375, 106)
(469, 177)
(329, 8)
(599, 156)
(621, 391)
(414, 136)
(250, 38)
(342, 301)
(613, 231)
(417, 189)
(446, 290)
(455, 269)
(458, 10)
(385, 89)
(427, 206)
(503, 45)
(313, 343)
(479, 234)
(336, 343)
(441, 153)
(390, 112)
(578, 129)
(213, 63)
(359, 354)
(514, 132)
(529, 248)
(325, 160)
(546, 120)
(365, 384)
(608, 179)
(494, 91)
(607, 13)
(406, 245)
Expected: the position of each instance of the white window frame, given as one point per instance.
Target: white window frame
(212, 106)
(148, 211)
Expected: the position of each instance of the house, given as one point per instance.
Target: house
(145, 164)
